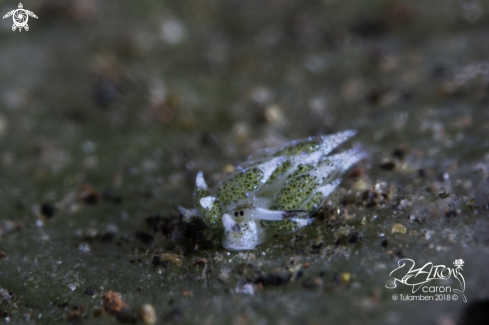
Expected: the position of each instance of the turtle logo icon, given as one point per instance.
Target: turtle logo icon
(20, 16)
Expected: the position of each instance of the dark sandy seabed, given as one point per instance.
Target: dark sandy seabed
(110, 108)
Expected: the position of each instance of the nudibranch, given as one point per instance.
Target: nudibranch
(276, 190)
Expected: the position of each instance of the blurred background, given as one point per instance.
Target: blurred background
(108, 109)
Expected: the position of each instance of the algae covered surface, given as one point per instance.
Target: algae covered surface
(110, 108)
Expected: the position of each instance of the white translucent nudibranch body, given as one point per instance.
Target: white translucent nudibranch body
(277, 190)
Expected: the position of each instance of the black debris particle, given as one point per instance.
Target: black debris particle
(63, 305)
(91, 199)
(325, 213)
(390, 165)
(184, 236)
(385, 243)
(205, 244)
(48, 210)
(105, 92)
(89, 291)
(88, 194)
(378, 96)
(210, 139)
(156, 260)
(165, 264)
(126, 316)
(273, 279)
(372, 198)
(187, 250)
(399, 152)
(421, 173)
(158, 222)
(107, 237)
(338, 241)
(354, 237)
(417, 219)
(316, 249)
(144, 237)
(317, 246)
(399, 253)
(443, 195)
(451, 213)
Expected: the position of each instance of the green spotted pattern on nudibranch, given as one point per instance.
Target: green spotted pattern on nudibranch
(212, 212)
(199, 194)
(280, 227)
(277, 191)
(302, 168)
(212, 216)
(295, 192)
(299, 148)
(313, 203)
(240, 186)
(279, 171)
